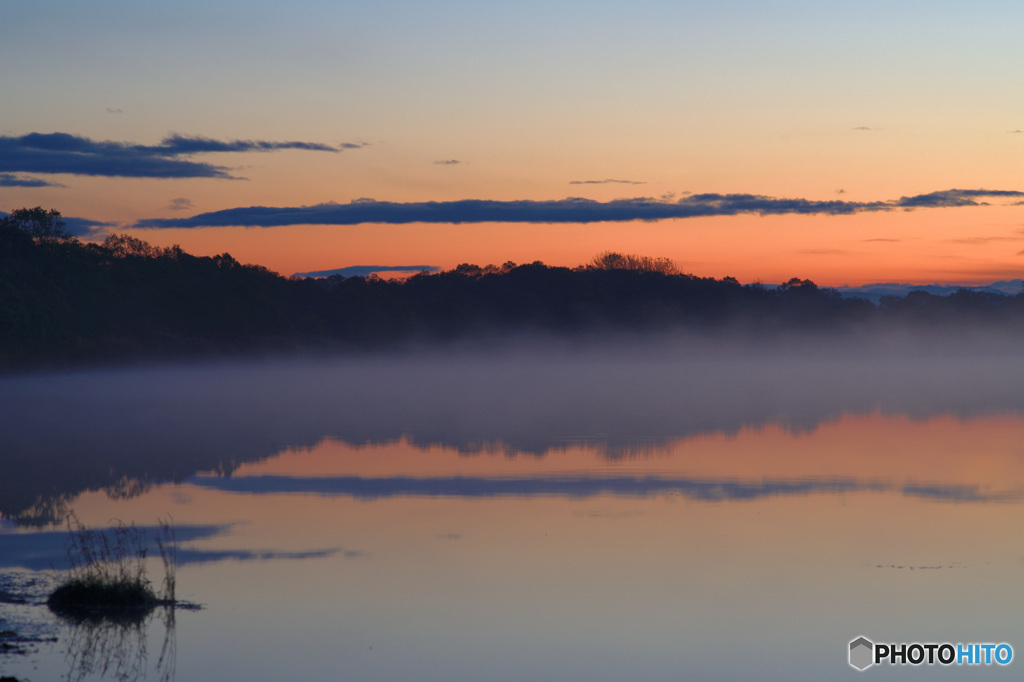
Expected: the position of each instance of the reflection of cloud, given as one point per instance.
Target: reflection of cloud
(958, 493)
(599, 514)
(43, 549)
(65, 153)
(571, 210)
(708, 490)
(606, 182)
(195, 556)
(919, 568)
(48, 549)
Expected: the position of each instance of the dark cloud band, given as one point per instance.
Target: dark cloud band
(64, 153)
(572, 210)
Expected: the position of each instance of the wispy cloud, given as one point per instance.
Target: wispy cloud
(978, 241)
(824, 252)
(955, 197)
(76, 155)
(571, 210)
(12, 180)
(607, 182)
(180, 204)
(176, 145)
(447, 162)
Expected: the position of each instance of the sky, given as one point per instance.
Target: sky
(842, 142)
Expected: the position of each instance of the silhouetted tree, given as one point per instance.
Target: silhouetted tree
(37, 222)
(123, 245)
(610, 260)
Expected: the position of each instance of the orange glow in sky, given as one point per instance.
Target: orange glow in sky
(292, 109)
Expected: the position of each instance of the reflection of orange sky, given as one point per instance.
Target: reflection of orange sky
(924, 246)
(607, 569)
(685, 567)
(983, 452)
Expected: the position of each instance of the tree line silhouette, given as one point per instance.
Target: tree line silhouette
(63, 300)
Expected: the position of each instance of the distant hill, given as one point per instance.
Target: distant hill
(875, 292)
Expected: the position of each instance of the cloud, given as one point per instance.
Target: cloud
(607, 181)
(83, 227)
(954, 197)
(12, 180)
(175, 145)
(114, 110)
(180, 204)
(863, 128)
(447, 162)
(571, 210)
(76, 155)
(984, 240)
(364, 270)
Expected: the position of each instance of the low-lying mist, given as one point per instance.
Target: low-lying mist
(523, 393)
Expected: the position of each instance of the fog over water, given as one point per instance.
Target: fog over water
(64, 432)
(605, 510)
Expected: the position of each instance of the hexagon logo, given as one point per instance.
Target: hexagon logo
(862, 653)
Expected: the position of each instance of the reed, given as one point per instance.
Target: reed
(107, 576)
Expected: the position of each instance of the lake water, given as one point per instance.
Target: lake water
(646, 513)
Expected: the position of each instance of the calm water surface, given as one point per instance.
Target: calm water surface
(603, 515)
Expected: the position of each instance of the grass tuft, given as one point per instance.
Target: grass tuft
(107, 578)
